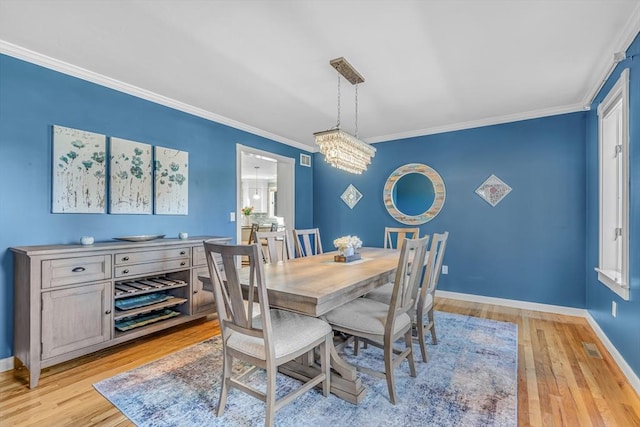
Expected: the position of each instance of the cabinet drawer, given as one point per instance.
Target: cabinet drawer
(67, 271)
(150, 268)
(149, 256)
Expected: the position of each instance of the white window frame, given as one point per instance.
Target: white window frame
(615, 278)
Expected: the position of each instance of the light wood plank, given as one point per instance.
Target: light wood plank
(66, 396)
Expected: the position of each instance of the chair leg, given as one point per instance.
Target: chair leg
(356, 346)
(325, 365)
(432, 323)
(388, 371)
(409, 342)
(270, 398)
(423, 345)
(224, 388)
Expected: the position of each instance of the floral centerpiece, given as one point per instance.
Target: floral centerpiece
(347, 245)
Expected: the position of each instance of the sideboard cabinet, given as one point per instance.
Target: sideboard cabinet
(71, 300)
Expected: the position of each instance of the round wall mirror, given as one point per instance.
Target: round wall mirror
(414, 194)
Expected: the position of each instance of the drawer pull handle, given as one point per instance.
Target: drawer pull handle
(78, 269)
(125, 271)
(182, 263)
(126, 258)
(183, 253)
(195, 291)
(107, 312)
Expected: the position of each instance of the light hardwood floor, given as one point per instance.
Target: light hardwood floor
(559, 384)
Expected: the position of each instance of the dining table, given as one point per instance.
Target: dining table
(315, 285)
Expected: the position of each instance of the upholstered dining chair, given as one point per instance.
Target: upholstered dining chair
(426, 297)
(307, 242)
(274, 245)
(425, 303)
(266, 340)
(252, 238)
(400, 233)
(252, 233)
(382, 324)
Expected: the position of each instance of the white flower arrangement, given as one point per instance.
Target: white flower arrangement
(347, 242)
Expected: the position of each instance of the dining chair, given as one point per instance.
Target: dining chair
(251, 240)
(266, 340)
(426, 299)
(252, 233)
(307, 242)
(382, 324)
(425, 302)
(274, 245)
(400, 234)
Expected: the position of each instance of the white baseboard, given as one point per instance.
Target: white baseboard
(617, 357)
(633, 379)
(546, 308)
(6, 364)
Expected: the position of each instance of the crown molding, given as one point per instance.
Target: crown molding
(479, 123)
(33, 57)
(626, 36)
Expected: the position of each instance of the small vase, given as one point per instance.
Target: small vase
(246, 220)
(349, 252)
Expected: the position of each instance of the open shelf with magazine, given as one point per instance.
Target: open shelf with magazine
(144, 301)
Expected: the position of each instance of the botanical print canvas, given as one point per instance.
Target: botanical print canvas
(172, 181)
(78, 171)
(131, 181)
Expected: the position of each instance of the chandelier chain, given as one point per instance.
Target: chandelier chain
(356, 110)
(338, 121)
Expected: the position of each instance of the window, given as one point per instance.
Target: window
(613, 127)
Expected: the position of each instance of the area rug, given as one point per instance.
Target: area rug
(470, 380)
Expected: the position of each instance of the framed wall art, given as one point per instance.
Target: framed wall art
(131, 182)
(172, 181)
(79, 180)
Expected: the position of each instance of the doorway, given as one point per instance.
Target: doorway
(266, 185)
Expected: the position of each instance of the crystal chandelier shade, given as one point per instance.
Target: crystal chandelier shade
(344, 151)
(341, 149)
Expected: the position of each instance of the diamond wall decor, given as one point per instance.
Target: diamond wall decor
(351, 196)
(493, 190)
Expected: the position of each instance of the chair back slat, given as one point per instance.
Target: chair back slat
(400, 233)
(307, 242)
(278, 246)
(408, 275)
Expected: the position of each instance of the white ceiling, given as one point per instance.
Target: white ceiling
(263, 66)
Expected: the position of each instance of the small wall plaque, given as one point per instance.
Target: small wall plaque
(493, 190)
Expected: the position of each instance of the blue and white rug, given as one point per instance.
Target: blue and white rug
(470, 380)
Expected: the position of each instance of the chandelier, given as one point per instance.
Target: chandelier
(341, 149)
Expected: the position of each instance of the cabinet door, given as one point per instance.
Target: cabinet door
(75, 318)
(203, 299)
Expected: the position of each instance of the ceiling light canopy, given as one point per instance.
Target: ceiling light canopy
(341, 149)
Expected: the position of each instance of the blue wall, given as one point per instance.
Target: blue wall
(530, 247)
(622, 330)
(32, 99)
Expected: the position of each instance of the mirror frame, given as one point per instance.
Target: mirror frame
(439, 190)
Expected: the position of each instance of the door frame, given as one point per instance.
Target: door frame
(289, 169)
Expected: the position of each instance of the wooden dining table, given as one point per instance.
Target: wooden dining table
(317, 284)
